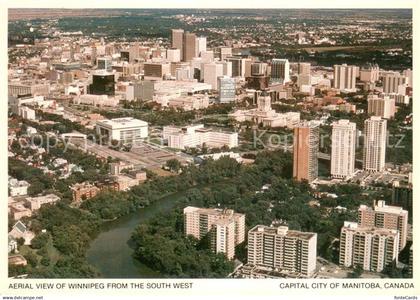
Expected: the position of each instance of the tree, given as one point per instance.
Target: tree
(174, 165)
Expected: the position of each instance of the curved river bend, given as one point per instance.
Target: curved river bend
(110, 252)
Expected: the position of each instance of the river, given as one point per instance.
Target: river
(110, 252)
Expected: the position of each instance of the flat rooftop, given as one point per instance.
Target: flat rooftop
(283, 230)
(122, 123)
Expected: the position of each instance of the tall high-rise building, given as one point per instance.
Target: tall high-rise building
(369, 73)
(227, 89)
(238, 66)
(225, 52)
(394, 82)
(104, 63)
(402, 195)
(374, 146)
(409, 74)
(178, 40)
(201, 44)
(343, 148)
(173, 55)
(370, 248)
(190, 46)
(258, 69)
(283, 249)
(304, 68)
(345, 77)
(103, 83)
(381, 106)
(211, 72)
(280, 69)
(226, 228)
(305, 151)
(385, 216)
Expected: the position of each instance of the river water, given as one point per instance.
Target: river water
(110, 252)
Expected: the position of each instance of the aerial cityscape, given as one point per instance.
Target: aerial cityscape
(210, 143)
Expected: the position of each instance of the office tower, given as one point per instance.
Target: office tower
(104, 63)
(158, 70)
(385, 216)
(190, 46)
(343, 148)
(369, 73)
(374, 145)
(201, 45)
(227, 89)
(258, 69)
(211, 72)
(173, 55)
(280, 69)
(283, 249)
(134, 52)
(227, 68)
(103, 83)
(304, 68)
(93, 55)
(381, 107)
(394, 82)
(207, 56)
(125, 55)
(305, 151)
(370, 248)
(238, 66)
(345, 77)
(409, 74)
(143, 90)
(225, 52)
(226, 228)
(178, 41)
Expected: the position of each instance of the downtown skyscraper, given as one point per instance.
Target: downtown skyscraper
(343, 148)
(374, 147)
(305, 151)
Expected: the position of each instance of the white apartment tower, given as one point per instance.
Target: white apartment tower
(374, 147)
(284, 249)
(368, 247)
(345, 77)
(343, 148)
(381, 106)
(394, 82)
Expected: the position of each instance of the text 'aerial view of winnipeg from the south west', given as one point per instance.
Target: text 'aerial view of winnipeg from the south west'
(210, 143)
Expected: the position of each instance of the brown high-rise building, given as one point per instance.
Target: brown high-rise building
(305, 151)
(190, 46)
(178, 40)
(385, 216)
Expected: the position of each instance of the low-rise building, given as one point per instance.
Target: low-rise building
(84, 191)
(196, 136)
(18, 187)
(125, 130)
(35, 203)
